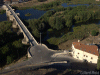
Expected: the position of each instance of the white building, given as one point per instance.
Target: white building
(97, 0)
(83, 52)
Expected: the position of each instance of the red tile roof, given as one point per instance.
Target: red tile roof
(87, 48)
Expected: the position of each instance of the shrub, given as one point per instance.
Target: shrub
(42, 0)
(9, 59)
(93, 33)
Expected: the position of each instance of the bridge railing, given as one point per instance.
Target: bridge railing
(23, 25)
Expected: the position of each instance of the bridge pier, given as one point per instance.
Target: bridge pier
(24, 41)
(19, 32)
(14, 24)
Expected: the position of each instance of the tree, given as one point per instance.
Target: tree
(93, 33)
(52, 22)
(42, 0)
(9, 59)
(98, 64)
(68, 23)
(59, 23)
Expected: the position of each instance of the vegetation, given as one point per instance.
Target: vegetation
(28, 14)
(79, 1)
(98, 63)
(79, 32)
(94, 33)
(47, 6)
(42, 0)
(2, 11)
(52, 4)
(36, 26)
(59, 19)
(11, 47)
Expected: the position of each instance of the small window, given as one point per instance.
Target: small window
(91, 57)
(84, 49)
(84, 55)
(78, 53)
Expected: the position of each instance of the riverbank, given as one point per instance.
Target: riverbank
(37, 5)
(30, 4)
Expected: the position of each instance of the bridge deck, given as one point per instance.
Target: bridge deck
(23, 27)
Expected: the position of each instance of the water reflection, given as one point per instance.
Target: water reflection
(3, 17)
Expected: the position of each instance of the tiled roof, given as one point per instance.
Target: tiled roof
(87, 48)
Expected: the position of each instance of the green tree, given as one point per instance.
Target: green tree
(94, 33)
(98, 63)
(9, 59)
(59, 23)
(4, 49)
(52, 22)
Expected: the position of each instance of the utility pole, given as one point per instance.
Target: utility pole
(40, 38)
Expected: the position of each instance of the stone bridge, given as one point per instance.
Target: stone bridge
(17, 23)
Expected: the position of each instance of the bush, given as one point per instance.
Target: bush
(93, 33)
(9, 59)
(98, 64)
(42, 0)
(2, 11)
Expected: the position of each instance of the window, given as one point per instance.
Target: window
(91, 57)
(78, 53)
(90, 61)
(90, 51)
(84, 55)
(84, 49)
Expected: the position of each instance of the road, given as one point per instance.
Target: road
(40, 54)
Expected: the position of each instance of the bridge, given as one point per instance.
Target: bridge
(28, 38)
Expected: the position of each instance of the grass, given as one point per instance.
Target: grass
(2, 11)
(50, 30)
(28, 14)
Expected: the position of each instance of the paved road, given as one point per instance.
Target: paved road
(40, 54)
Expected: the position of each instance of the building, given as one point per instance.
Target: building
(84, 52)
(97, 0)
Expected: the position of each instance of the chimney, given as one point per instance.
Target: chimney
(78, 40)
